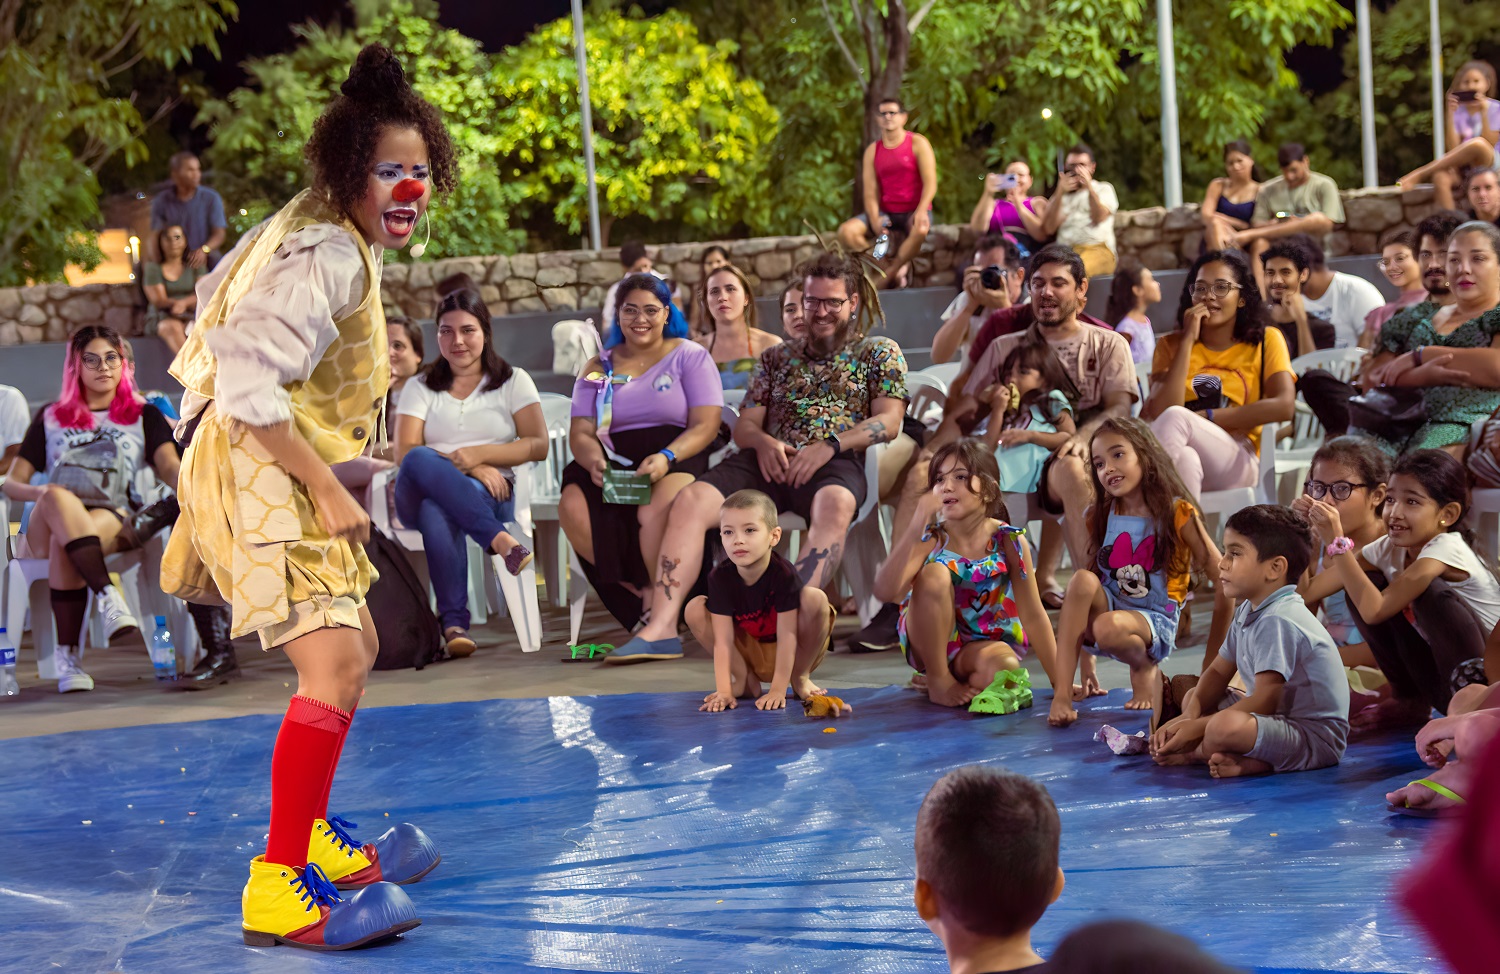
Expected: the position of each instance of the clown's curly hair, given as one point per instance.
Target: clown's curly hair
(377, 96)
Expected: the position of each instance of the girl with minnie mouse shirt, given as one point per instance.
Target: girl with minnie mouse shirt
(1147, 536)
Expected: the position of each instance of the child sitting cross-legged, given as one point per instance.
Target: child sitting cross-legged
(987, 849)
(970, 606)
(764, 625)
(1146, 536)
(1295, 717)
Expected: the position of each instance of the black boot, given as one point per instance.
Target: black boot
(880, 635)
(140, 526)
(220, 665)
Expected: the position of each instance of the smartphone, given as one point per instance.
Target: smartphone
(1282, 214)
(1466, 95)
(1008, 181)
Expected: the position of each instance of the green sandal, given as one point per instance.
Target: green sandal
(1425, 811)
(1010, 692)
(585, 652)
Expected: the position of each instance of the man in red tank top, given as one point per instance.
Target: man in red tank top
(900, 180)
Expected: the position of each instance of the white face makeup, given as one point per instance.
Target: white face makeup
(392, 206)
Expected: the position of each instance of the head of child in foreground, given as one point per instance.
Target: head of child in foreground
(966, 480)
(1350, 473)
(1033, 367)
(1265, 547)
(1129, 462)
(987, 849)
(1429, 494)
(747, 527)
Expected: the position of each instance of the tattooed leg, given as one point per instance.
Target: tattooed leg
(817, 565)
(694, 512)
(668, 581)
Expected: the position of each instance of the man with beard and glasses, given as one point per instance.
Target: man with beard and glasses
(1096, 360)
(814, 405)
(1327, 395)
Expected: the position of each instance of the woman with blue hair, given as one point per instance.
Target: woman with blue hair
(644, 413)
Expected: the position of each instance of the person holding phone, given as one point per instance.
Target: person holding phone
(1007, 206)
(1472, 119)
(1297, 201)
(1081, 212)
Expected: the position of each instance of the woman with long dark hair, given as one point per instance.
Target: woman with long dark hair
(700, 322)
(285, 375)
(90, 443)
(1219, 376)
(649, 405)
(1229, 201)
(463, 426)
(733, 339)
(168, 284)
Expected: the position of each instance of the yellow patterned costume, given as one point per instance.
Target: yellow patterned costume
(248, 534)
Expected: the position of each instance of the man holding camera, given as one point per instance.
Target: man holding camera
(1081, 213)
(1297, 201)
(992, 282)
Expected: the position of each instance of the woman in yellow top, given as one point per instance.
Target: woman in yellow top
(1220, 376)
(285, 374)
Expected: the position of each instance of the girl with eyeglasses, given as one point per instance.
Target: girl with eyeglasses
(1398, 262)
(1350, 473)
(91, 443)
(1424, 601)
(1219, 377)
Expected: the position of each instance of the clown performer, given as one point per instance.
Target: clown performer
(286, 373)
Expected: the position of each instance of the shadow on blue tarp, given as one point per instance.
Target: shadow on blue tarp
(632, 833)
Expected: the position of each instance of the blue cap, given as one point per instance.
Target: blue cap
(161, 620)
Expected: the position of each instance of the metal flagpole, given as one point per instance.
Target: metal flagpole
(1366, 93)
(1171, 150)
(1435, 49)
(588, 123)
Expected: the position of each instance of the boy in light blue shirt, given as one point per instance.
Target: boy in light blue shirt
(1295, 717)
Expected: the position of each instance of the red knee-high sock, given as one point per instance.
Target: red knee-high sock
(334, 769)
(301, 766)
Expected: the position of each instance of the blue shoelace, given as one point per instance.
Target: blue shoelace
(341, 828)
(317, 888)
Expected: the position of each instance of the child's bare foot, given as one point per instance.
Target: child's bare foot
(1392, 712)
(919, 682)
(1410, 181)
(1177, 759)
(804, 687)
(1456, 776)
(949, 693)
(1061, 713)
(1223, 765)
(1143, 682)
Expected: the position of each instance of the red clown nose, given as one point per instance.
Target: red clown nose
(409, 190)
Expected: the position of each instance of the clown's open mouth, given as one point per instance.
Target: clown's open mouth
(400, 221)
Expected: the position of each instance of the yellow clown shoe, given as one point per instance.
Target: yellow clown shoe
(404, 854)
(301, 908)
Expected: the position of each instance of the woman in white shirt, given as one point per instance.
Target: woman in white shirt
(461, 428)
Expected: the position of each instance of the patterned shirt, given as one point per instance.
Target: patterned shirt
(808, 398)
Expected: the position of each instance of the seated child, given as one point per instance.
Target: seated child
(1030, 415)
(970, 607)
(1295, 717)
(987, 848)
(764, 625)
(1146, 536)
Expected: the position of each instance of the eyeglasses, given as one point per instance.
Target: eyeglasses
(633, 314)
(94, 363)
(1220, 289)
(1384, 262)
(1340, 489)
(827, 305)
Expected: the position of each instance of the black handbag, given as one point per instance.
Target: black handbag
(1394, 412)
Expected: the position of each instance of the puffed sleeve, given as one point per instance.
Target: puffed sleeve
(280, 329)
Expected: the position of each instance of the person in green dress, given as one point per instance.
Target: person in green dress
(168, 284)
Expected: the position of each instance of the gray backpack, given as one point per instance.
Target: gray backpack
(97, 473)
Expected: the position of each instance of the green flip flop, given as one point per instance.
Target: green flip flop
(585, 652)
(1424, 811)
(1010, 692)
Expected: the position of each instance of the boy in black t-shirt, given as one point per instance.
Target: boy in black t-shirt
(764, 625)
(987, 849)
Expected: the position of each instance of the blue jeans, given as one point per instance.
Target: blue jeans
(445, 505)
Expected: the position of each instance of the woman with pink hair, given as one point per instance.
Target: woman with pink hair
(91, 443)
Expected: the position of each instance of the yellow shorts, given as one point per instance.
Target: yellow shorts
(249, 537)
(760, 658)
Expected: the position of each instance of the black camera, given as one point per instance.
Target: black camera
(1210, 393)
(993, 277)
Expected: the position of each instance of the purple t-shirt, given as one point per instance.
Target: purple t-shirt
(661, 396)
(1005, 217)
(1466, 123)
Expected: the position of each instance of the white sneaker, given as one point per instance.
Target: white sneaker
(115, 615)
(70, 675)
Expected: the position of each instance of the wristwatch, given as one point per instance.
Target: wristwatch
(1339, 546)
(206, 249)
(671, 457)
(833, 441)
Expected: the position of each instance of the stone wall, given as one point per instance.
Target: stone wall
(572, 280)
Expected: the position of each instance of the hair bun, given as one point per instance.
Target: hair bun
(376, 75)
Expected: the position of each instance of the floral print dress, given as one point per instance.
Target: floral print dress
(984, 603)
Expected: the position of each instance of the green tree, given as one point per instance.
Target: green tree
(260, 130)
(680, 138)
(64, 114)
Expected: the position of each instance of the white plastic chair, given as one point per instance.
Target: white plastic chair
(926, 397)
(411, 539)
(546, 493)
(1143, 385)
(944, 372)
(1225, 503)
(519, 591)
(1307, 432)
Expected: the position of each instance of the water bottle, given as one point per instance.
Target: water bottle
(163, 651)
(8, 685)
